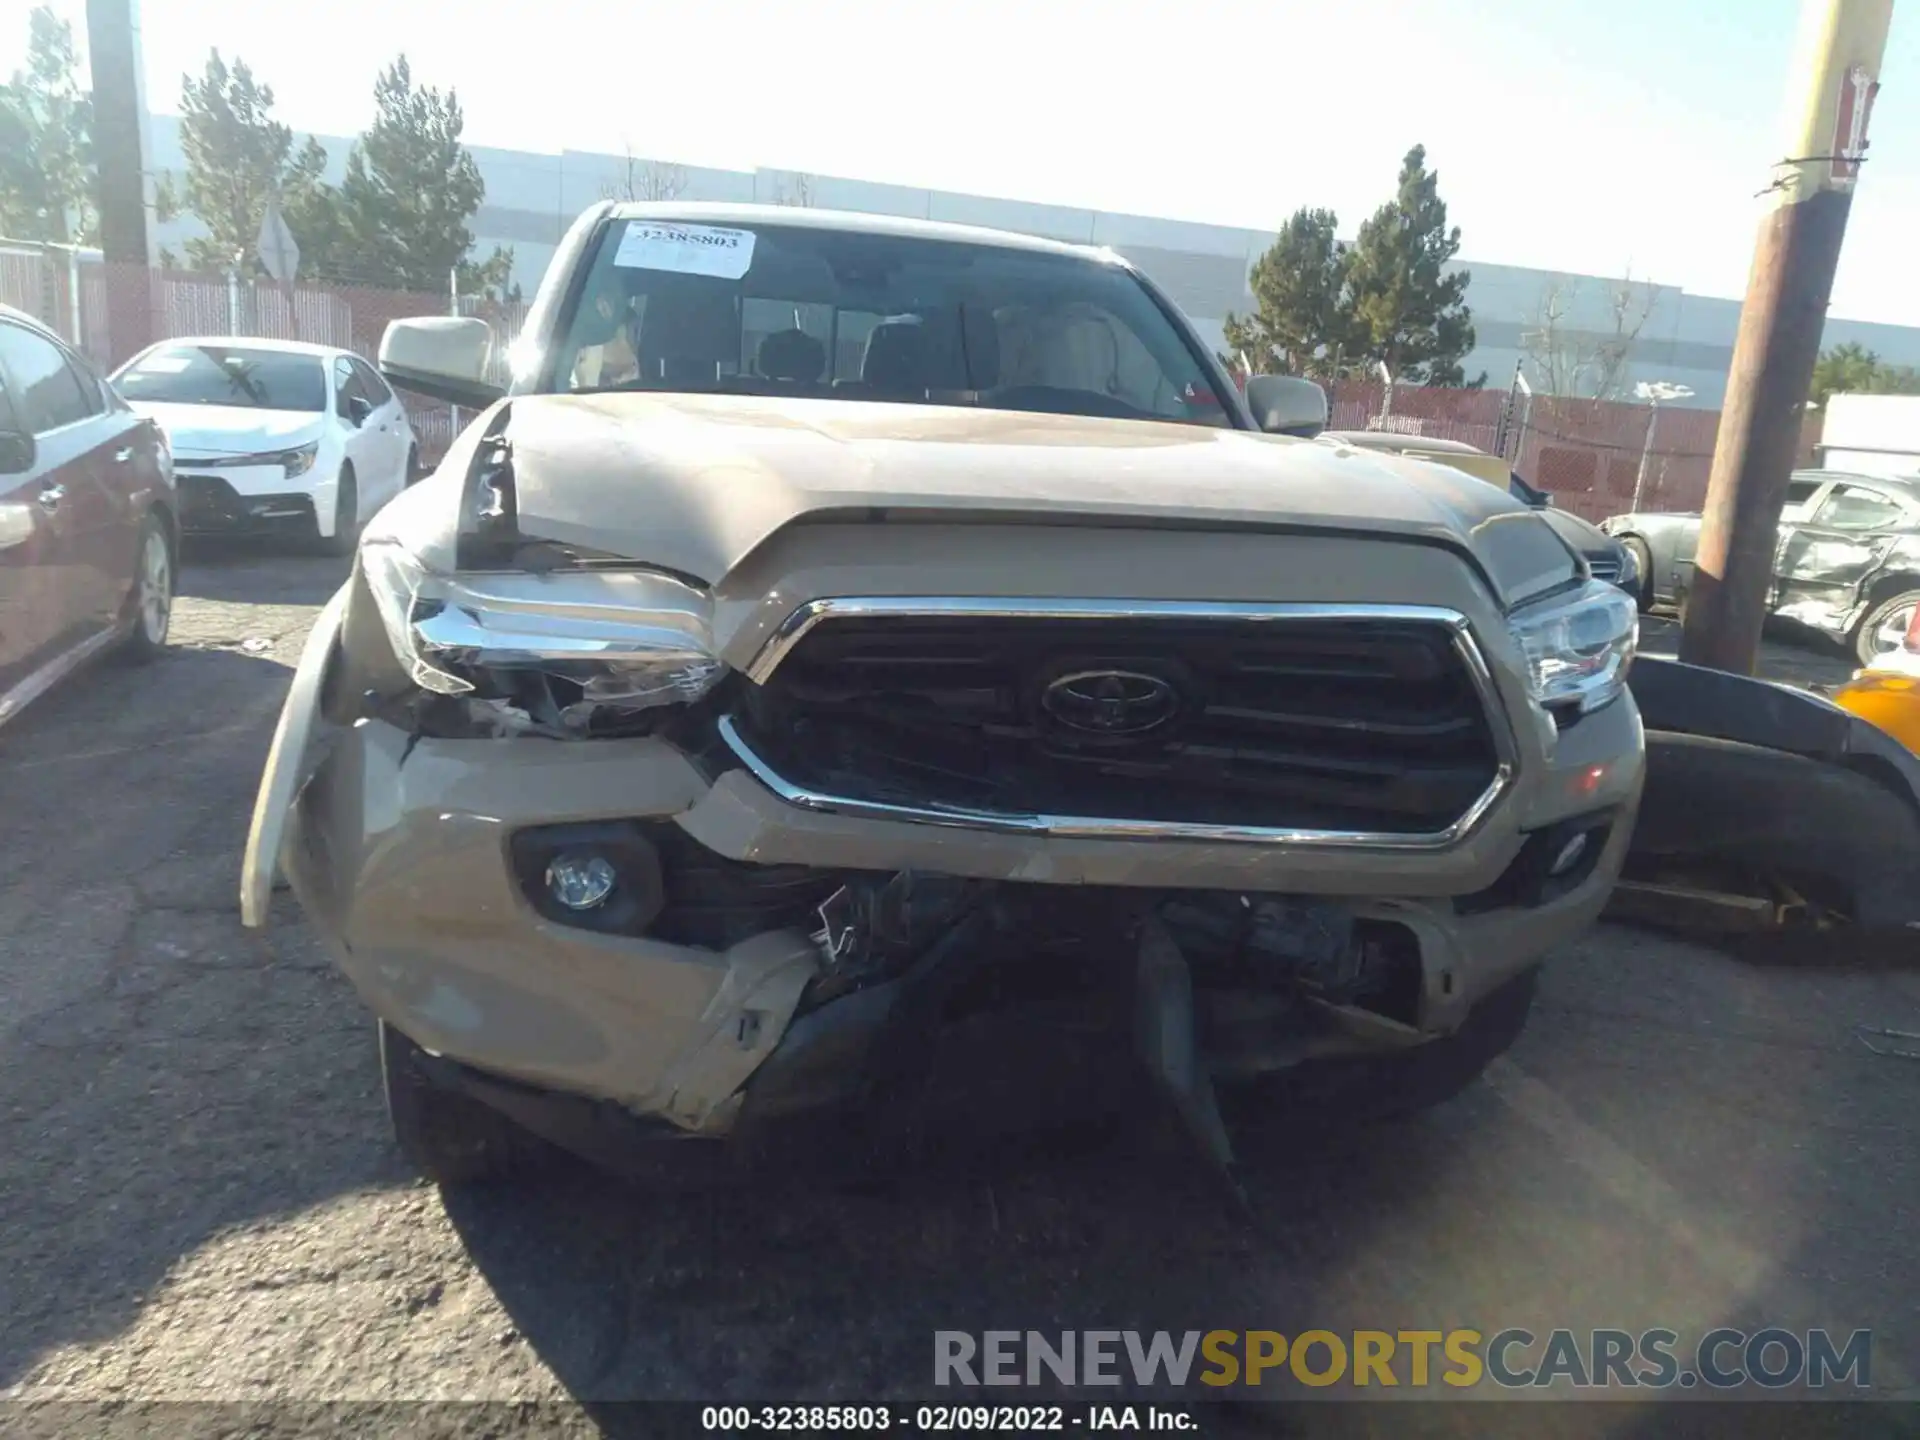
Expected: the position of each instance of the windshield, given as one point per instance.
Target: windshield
(239, 375)
(799, 311)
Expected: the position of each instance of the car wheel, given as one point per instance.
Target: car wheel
(1883, 631)
(450, 1138)
(346, 516)
(1348, 1090)
(413, 465)
(1643, 559)
(151, 602)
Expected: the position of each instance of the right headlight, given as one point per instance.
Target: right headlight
(1577, 647)
(631, 638)
(299, 460)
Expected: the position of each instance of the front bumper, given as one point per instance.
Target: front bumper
(210, 505)
(400, 850)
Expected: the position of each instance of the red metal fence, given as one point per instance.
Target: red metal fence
(1587, 453)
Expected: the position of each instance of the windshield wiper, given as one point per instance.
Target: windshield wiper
(245, 384)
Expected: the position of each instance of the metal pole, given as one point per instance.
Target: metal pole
(1506, 417)
(1526, 417)
(453, 308)
(233, 300)
(1646, 453)
(1798, 249)
(75, 329)
(121, 163)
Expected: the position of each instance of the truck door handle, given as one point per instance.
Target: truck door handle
(51, 497)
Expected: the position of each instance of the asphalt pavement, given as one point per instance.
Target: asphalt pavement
(198, 1198)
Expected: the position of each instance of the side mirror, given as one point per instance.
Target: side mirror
(1287, 405)
(17, 452)
(444, 356)
(359, 409)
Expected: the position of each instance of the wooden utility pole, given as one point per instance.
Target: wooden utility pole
(119, 147)
(1836, 74)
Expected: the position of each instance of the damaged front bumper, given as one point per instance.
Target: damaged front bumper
(775, 961)
(1770, 808)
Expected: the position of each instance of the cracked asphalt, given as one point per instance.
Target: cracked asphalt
(198, 1199)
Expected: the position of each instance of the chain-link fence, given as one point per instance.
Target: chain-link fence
(108, 311)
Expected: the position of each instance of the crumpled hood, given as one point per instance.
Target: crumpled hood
(696, 483)
(211, 431)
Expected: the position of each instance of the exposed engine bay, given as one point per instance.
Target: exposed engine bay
(1127, 1002)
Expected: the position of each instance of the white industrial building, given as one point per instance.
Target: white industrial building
(1683, 339)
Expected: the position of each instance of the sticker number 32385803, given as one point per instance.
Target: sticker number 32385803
(687, 249)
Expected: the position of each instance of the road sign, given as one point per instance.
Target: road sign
(279, 252)
(1857, 92)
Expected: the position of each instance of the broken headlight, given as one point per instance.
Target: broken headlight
(630, 638)
(1577, 647)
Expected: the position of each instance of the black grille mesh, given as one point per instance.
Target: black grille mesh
(1342, 724)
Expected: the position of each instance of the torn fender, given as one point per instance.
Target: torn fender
(285, 769)
(1751, 777)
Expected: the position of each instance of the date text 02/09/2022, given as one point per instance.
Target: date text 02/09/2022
(940, 1419)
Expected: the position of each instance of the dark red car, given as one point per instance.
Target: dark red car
(88, 525)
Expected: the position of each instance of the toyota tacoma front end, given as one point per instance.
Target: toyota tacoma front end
(714, 752)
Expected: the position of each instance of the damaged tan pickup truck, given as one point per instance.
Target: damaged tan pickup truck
(855, 661)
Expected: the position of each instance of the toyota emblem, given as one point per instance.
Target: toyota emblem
(1110, 702)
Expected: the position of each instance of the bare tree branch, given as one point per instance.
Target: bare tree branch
(1629, 303)
(1546, 346)
(794, 189)
(645, 180)
(1566, 359)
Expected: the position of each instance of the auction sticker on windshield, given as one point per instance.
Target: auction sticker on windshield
(685, 249)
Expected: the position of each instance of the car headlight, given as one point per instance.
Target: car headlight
(631, 638)
(297, 461)
(1578, 647)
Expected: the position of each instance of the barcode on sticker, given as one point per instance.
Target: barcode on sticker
(685, 249)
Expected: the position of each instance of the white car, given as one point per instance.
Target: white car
(274, 435)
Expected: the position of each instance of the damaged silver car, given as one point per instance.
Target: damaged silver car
(855, 661)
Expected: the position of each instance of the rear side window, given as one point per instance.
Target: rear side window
(1800, 492)
(1854, 507)
(47, 391)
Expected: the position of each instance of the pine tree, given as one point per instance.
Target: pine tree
(47, 176)
(1410, 314)
(1300, 324)
(411, 191)
(238, 159)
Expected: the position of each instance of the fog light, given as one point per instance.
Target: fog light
(1569, 854)
(580, 881)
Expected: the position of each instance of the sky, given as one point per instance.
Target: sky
(1590, 137)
